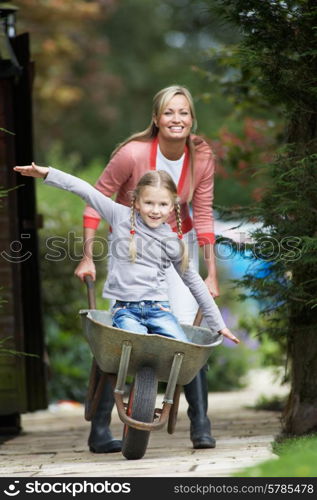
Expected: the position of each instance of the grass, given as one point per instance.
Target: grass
(297, 457)
(271, 403)
(57, 204)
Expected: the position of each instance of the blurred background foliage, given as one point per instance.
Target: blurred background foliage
(98, 65)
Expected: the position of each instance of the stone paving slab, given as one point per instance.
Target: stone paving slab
(54, 443)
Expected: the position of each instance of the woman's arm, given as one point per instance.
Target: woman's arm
(210, 262)
(87, 265)
(203, 215)
(115, 174)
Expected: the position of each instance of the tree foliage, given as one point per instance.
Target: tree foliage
(278, 52)
(278, 49)
(99, 63)
(69, 68)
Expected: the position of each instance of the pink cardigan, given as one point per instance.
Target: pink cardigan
(137, 157)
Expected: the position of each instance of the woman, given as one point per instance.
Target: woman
(167, 144)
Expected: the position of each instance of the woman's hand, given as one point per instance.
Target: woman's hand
(212, 285)
(226, 333)
(86, 266)
(32, 171)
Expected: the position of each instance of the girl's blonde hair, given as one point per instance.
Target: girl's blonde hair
(160, 101)
(159, 179)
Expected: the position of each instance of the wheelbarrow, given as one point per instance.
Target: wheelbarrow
(148, 359)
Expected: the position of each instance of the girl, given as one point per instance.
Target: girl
(137, 276)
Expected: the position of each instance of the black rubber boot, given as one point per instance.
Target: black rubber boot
(100, 438)
(196, 393)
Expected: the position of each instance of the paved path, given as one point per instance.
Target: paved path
(53, 443)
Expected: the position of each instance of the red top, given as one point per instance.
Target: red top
(133, 160)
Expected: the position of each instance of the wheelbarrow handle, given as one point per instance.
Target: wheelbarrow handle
(198, 318)
(90, 291)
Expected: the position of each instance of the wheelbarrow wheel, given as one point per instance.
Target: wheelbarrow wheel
(141, 407)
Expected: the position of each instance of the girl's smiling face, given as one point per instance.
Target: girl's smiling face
(155, 205)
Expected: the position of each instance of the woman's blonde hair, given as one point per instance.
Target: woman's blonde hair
(160, 101)
(159, 179)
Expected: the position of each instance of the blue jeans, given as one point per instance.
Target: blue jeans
(147, 316)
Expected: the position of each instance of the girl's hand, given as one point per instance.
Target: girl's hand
(212, 285)
(226, 333)
(32, 171)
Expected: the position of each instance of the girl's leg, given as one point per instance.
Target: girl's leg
(162, 322)
(126, 320)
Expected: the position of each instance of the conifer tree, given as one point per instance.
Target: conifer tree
(278, 52)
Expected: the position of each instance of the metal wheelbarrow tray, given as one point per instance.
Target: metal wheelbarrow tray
(152, 350)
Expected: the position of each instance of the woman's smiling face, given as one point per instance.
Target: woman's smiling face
(155, 205)
(176, 121)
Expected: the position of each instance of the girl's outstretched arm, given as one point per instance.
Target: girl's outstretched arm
(108, 209)
(32, 171)
(204, 299)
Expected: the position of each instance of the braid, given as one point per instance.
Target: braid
(184, 263)
(178, 220)
(132, 245)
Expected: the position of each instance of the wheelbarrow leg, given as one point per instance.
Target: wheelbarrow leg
(196, 393)
(95, 389)
(174, 410)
